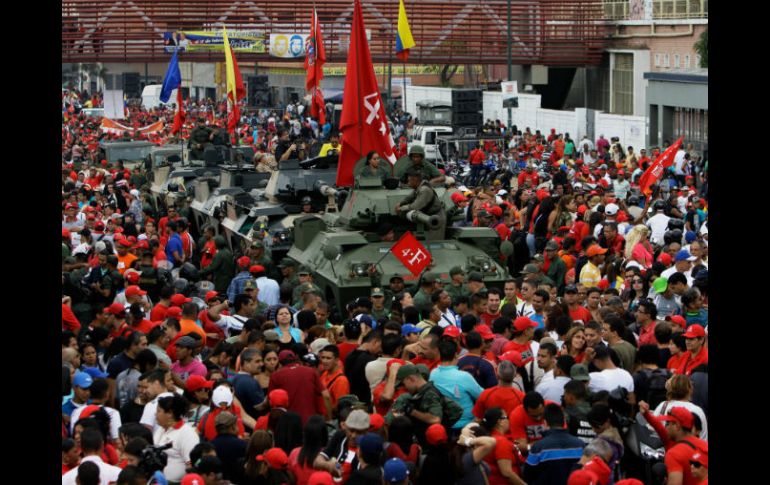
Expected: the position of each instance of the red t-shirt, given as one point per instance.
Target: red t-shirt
(298, 381)
(209, 250)
(210, 327)
(504, 450)
(146, 325)
(524, 349)
(158, 313)
(507, 398)
(675, 361)
(688, 362)
(302, 473)
(580, 313)
(68, 319)
(678, 458)
(476, 157)
(345, 349)
(432, 364)
(382, 407)
(487, 318)
(207, 424)
(522, 426)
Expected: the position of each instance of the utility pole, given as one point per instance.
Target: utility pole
(510, 66)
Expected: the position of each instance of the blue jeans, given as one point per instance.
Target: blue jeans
(475, 171)
(531, 245)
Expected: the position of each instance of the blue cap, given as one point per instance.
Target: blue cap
(370, 444)
(683, 255)
(408, 328)
(367, 320)
(690, 236)
(82, 380)
(394, 470)
(95, 372)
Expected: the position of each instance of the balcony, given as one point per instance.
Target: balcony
(661, 9)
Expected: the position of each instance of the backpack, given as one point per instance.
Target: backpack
(451, 412)
(656, 386)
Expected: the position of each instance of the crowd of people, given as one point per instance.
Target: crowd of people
(210, 365)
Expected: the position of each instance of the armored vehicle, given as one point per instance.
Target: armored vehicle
(132, 153)
(348, 257)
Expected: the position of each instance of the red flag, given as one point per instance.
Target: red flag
(655, 170)
(318, 106)
(179, 116)
(235, 88)
(316, 54)
(363, 122)
(411, 253)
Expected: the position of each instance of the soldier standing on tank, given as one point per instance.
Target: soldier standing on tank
(425, 200)
(200, 138)
(417, 156)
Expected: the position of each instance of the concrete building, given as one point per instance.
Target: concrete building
(677, 104)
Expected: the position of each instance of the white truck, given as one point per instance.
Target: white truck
(151, 96)
(435, 118)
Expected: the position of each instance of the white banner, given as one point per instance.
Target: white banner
(113, 104)
(288, 46)
(510, 94)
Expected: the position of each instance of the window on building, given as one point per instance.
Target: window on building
(657, 60)
(697, 60)
(623, 84)
(687, 61)
(676, 61)
(666, 60)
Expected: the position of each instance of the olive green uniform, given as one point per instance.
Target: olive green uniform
(429, 171)
(455, 291)
(199, 140)
(425, 199)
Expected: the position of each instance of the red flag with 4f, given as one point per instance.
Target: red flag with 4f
(363, 122)
(654, 171)
(411, 253)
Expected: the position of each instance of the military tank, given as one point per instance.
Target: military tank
(342, 247)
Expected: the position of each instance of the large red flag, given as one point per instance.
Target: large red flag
(314, 61)
(363, 122)
(411, 253)
(655, 170)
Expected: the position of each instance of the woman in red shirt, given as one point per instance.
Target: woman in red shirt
(575, 344)
(401, 438)
(315, 438)
(505, 460)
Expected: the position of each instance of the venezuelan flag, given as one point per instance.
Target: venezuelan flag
(404, 40)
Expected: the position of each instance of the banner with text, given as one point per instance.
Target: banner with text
(203, 41)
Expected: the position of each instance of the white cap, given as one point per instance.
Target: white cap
(502, 192)
(134, 192)
(222, 394)
(318, 344)
(449, 181)
(611, 209)
(83, 248)
(463, 188)
(100, 246)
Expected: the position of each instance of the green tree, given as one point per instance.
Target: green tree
(702, 48)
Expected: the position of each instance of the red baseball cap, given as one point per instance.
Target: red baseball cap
(65, 232)
(583, 477)
(179, 299)
(320, 478)
(196, 382)
(132, 276)
(594, 250)
(458, 197)
(276, 458)
(211, 295)
(278, 398)
(523, 323)
(376, 421)
(665, 258)
(695, 331)
(485, 332)
(678, 320)
(193, 479)
(600, 468)
(496, 211)
(257, 268)
(436, 434)
(679, 415)
(244, 261)
(603, 284)
(134, 290)
(452, 332)
(174, 312)
(143, 244)
(115, 309)
(514, 357)
(541, 194)
(582, 209)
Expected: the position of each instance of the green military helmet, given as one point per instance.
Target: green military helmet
(417, 150)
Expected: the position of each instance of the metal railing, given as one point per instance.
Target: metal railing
(661, 9)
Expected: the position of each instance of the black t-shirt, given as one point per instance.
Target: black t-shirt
(118, 364)
(665, 355)
(131, 412)
(371, 475)
(338, 448)
(248, 392)
(355, 366)
(230, 449)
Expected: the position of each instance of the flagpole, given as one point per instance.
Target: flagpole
(403, 82)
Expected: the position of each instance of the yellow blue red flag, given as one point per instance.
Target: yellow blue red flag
(404, 40)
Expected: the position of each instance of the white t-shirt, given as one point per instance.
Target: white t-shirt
(610, 379)
(666, 274)
(107, 473)
(658, 224)
(553, 389)
(148, 415)
(184, 440)
(664, 408)
(269, 291)
(114, 415)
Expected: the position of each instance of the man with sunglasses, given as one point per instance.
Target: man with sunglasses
(646, 315)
